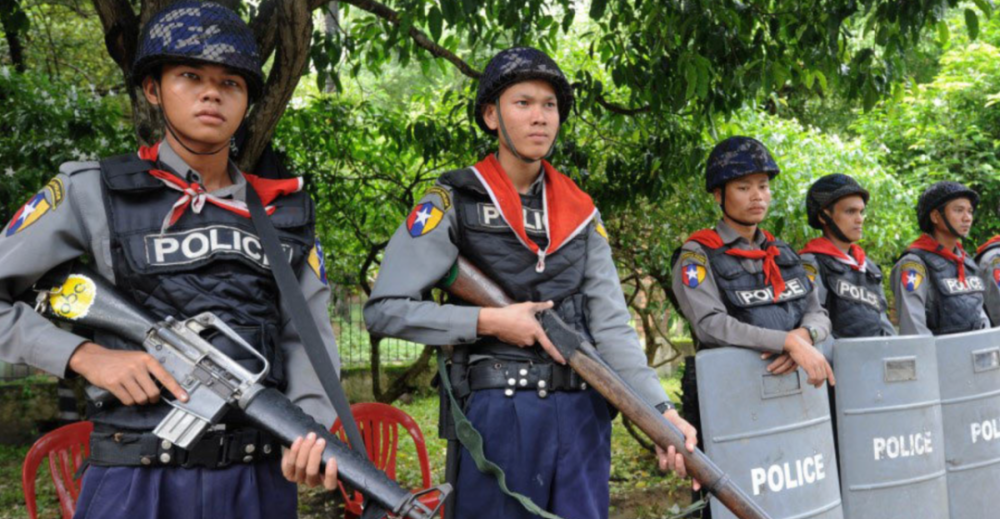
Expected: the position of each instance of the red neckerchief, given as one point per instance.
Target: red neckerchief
(986, 245)
(772, 274)
(926, 243)
(826, 247)
(568, 209)
(194, 194)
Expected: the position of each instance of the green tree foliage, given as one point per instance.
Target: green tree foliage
(45, 123)
(949, 128)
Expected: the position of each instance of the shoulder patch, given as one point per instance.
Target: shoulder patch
(443, 194)
(599, 227)
(317, 262)
(693, 257)
(423, 219)
(693, 275)
(914, 266)
(811, 271)
(56, 191)
(28, 214)
(996, 261)
(912, 275)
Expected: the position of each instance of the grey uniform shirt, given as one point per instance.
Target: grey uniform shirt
(911, 295)
(704, 308)
(821, 290)
(77, 225)
(989, 269)
(399, 305)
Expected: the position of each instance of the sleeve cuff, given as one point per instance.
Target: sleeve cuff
(773, 341)
(466, 323)
(53, 353)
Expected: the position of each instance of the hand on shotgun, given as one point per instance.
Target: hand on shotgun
(516, 324)
(671, 460)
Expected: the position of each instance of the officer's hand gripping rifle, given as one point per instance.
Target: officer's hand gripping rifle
(470, 284)
(214, 382)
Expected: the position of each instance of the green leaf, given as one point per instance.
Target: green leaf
(972, 23)
(943, 33)
(986, 7)
(597, 8)
(434, 20)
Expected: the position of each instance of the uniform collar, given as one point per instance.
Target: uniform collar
(170, 160)
(730, 236)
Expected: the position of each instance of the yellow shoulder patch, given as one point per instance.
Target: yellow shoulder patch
(694, 257)
(811, 271)
(601, 230)
(914, 266)
(443, 194)
(56, 192)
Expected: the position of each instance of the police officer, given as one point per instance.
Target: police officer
(169, 225)
(988, 261)
(740, 286)
(535, 233)
(937, 285)
(849, 284)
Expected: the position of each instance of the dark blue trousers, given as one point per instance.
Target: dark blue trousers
(555, 450)
(256, 491)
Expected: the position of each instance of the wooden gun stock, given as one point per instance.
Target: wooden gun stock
(467, 282)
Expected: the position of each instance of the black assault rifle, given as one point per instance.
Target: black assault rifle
(214, 382)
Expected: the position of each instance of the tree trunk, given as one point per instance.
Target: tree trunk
(331, 21)
(13, 43)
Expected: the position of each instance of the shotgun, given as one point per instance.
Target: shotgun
(468, 283)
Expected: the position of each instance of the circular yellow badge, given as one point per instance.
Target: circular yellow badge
(75, 298)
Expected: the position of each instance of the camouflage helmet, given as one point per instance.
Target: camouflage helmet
(199, 32)
(936, 196)
(737, 157)
(515, 65)
(827, 191)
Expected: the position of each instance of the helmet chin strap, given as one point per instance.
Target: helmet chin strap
(830, 224)
(170, 128)
(722, 204)
(510, 143)
(948, 225)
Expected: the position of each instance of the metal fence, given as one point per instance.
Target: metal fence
(353, 341)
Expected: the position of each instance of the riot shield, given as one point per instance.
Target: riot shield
(969, 376)
(771, 434)
(889, 428)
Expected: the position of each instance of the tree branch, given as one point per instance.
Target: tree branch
(294, 35)
(264, 29)
(419, 37)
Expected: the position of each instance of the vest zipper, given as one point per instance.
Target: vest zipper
(540, 266)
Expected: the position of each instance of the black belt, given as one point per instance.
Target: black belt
(215, 450)
(519, 376)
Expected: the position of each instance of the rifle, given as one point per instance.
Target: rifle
(468, 283)
(214, 382)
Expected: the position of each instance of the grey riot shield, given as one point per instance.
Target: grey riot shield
(771, 434)
(889, 428)
(969, 369)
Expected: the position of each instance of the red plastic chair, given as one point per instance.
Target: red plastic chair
(379, 425)
(66, 448)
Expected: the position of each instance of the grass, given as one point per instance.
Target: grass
(638, 489)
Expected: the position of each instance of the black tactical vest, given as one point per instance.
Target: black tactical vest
(208, 262)
(750, 299)
(485, 239)
(951, 306)
(853, 298)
